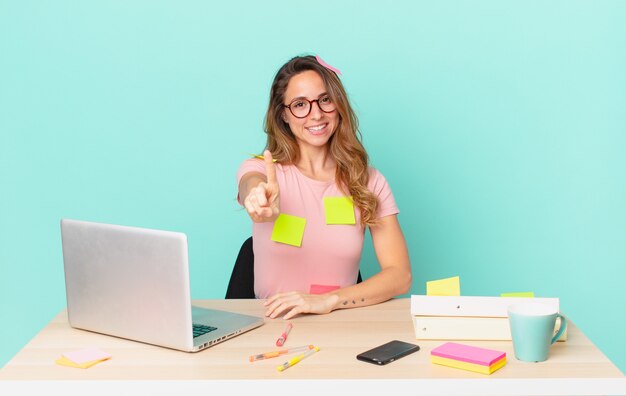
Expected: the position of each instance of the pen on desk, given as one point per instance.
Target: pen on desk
(283, 337)
(298, 358)
(269, 355)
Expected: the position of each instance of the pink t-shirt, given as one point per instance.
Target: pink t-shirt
(329, 255)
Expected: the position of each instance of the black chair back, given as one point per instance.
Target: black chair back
(241, 284)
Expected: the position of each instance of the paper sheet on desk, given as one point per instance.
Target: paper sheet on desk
(86, 355)
(83, 358)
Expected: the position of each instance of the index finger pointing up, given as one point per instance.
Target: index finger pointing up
(270, 168)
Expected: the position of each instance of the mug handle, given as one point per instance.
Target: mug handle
(561, 328)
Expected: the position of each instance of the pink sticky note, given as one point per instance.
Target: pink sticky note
(86, 355)
(468, 353)
(321, 289)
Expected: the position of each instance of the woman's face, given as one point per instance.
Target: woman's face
(315, 129)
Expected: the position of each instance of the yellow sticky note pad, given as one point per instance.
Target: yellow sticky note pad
(288, 229)
(444, 287)
(339, 210)
(518, 294)
(63, 361)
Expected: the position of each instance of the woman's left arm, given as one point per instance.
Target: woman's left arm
(393, 279)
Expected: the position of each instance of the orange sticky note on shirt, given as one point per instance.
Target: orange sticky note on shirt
(288, 229)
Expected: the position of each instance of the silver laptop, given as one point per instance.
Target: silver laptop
(134, 283)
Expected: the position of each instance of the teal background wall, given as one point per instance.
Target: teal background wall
(501, 127)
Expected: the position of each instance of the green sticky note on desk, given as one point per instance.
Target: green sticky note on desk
(518, 294)
(339, 210)
(444, 287)
(288, 229)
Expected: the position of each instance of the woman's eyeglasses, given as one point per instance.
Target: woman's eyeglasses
(301, 108)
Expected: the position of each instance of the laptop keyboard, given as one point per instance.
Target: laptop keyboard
(199, 330)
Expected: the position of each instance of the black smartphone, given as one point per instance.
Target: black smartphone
(388, 352)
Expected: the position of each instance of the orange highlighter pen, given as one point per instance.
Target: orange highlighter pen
(273, 354)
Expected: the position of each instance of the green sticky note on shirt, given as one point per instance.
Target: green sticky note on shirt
(288, 229)
(339, 210)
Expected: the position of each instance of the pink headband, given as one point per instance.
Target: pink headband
(326, 65)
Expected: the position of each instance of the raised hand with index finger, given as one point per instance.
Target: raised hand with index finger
(262, 202)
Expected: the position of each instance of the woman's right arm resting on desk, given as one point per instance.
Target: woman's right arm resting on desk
(393, 279)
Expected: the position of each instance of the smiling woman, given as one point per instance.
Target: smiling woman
(311, 206)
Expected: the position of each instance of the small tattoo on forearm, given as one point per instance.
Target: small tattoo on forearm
(353, 302)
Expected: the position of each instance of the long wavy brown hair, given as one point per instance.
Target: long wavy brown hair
(345, 144)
